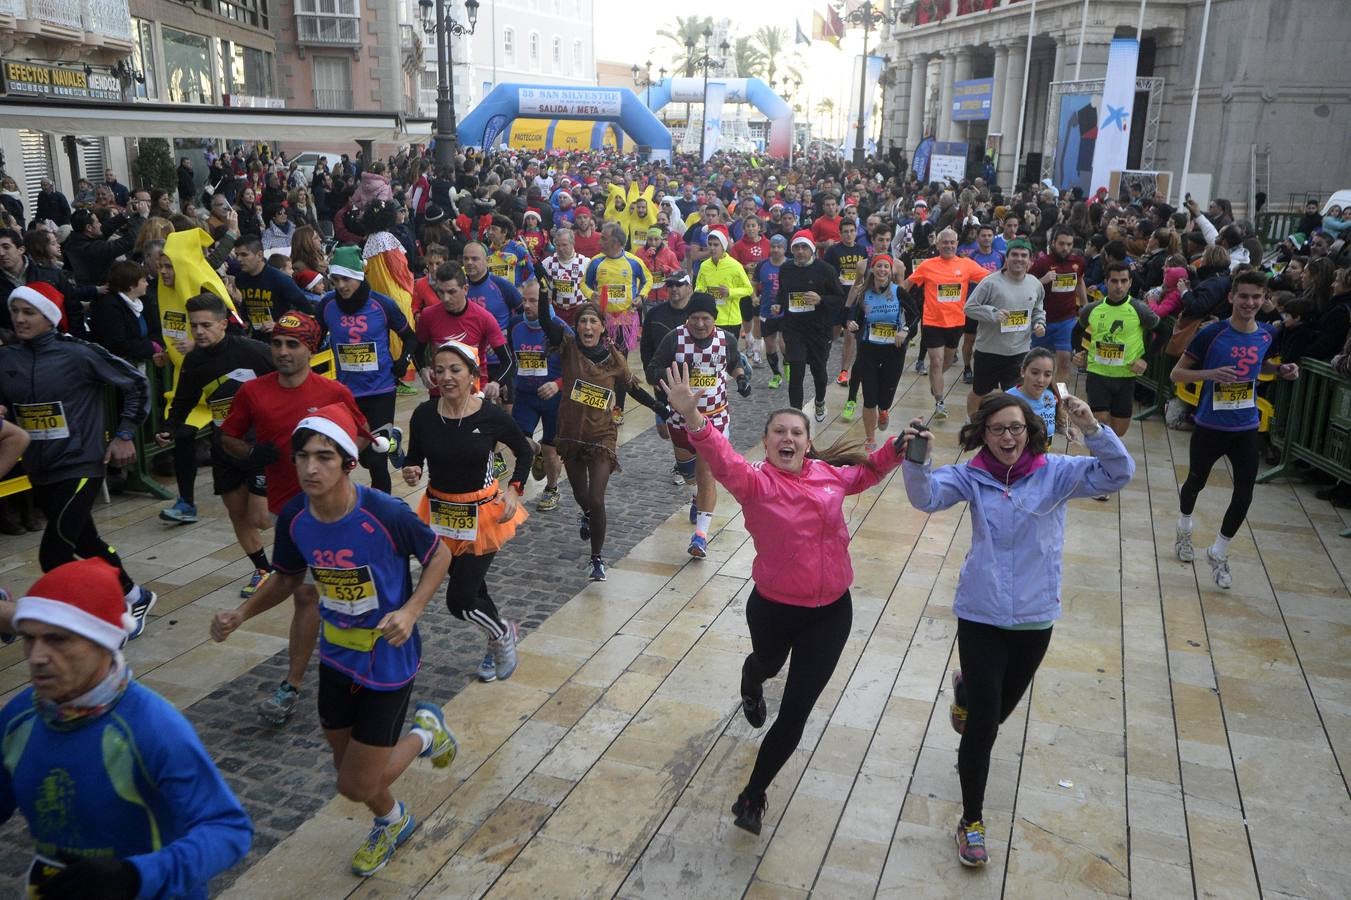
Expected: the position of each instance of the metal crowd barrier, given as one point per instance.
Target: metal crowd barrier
(1156, 376)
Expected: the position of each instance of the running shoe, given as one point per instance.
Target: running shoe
(398, 454)
(503, 650)
(584, 525)
(820, 412)
(381, 844)
(617, 415)
(847, 414)
(140, 609)
(870, 446)
(694, 511)
(940, 409)
(181, 513)
(499, 464)
(920, 367)
(843, 380)
(255, 582)
(957, 709)
(749, 813)
(597, 569)
(430, 719)
(883, 419)
(775, 380)
(1219, 569)
(406, 389)
(537, 465)
(698, 545)
(278, 709)
(967, 376)
(971, 843)
(548, 500)
(754, 709)
(487, 667)
(1182, 545)
(676, 476)
(756, 359)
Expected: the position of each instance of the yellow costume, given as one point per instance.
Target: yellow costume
(193, 275)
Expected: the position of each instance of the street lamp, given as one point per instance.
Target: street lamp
(646, 80)
(869, 16)
(445, 27)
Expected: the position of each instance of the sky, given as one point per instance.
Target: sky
(626, 33)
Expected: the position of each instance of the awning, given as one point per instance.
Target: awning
(165, 120)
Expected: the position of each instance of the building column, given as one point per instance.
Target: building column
(945, 129)
(964, 68)
(914, 131)
(1013, 84)
(999, 91)
(897, 117)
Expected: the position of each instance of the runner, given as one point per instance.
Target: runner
(268, 293)
(1008, 310)
(770, 315)
(751, 250)
(361, 323)
(85, 742)
(725, 280)
(1061, 272)
(269, 407)
(539, 380)
(800, 602)
(565, 273)
(53, 386)
(592, 372)
(456, 435)
(355, 543)
(501, 297)
(844, 257)
(660, 321)
(218, 365)
(946, 278)
(879, 316)
(1008, 592)
(985, 254)
(456, 319)
(586, 238)
(709, 354)
(1038, 373)
(1118, 329)
(1226, 357)
(618, 281)
(808, 289)
(507, 257)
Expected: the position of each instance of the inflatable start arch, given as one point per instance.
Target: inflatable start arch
(739, 90)
(487, 124)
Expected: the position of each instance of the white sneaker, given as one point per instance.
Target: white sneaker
(940, 409)
(1182, 546)
(820, 412)
(1219, 568)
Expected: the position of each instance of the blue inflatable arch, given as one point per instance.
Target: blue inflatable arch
(487, 123)
(739, 90)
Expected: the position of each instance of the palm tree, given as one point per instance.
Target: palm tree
(826, 109)
(748, 61)
(772, 42)
(688, 30)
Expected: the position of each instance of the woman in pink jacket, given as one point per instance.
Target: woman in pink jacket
(793, 504)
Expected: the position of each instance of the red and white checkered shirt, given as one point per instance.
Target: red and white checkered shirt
(565, 280)
(708, 376)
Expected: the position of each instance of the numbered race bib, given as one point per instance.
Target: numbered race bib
(616, 297)
(358, 357)
(1109, 354)
(798, 302)
(40, 872)
(174, 325)
(563, 286)
(882, 333)
(1066, 281)
(591, 395)
(703, 379)
(949, 293)
(259, 310)
(350, 592)
(1234, 395)
(43, 421)
(458, 521)
(220, 410)
(848, 276)
(500, 269)
(1017, 320)
(532, 362)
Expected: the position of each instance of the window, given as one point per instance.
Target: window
(534, 49)
(143, 58)
(558, 54)
(187, 67)
(332, 82)
(250, 12)
(509, 44)
(37, 162)
(328, 22)
(250, 71)
(576, 57)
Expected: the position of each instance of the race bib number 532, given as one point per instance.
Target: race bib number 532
(350, 592)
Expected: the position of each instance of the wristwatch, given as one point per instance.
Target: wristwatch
(123, 434)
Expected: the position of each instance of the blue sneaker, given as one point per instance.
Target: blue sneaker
(429, 718)
(698, 546)
(181, 513)
(597, 569)
(398, 455)
(139, 609)
(487, 668)
(255, 582)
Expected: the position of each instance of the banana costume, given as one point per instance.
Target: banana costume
(193, 275)
(634, 225)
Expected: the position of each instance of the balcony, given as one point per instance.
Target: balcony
(97, 23)
(328, 31)
(54, 18)
(330, 98)
(107, 23)
(10, 12)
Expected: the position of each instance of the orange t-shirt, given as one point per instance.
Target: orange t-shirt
(945, 283)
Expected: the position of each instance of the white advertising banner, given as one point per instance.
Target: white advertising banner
(713, 103)
(1114, 116)
(874, 71)
(570, 102)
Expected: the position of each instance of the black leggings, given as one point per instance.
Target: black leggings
(467, 593)
(1208, 446)
(815, 636)
(185, 467)
(379, 411)
(70, 533)
(879, 369)
(997, 666)
(802, 352)
(589, 477)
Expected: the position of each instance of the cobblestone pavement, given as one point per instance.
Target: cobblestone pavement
(283, 776)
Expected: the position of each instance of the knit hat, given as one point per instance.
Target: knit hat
(583, 209)
(300, 326)
(778, 240)
(337, 422)
(1019, 244)
(43, 297)
(467, 353)
(347, 263)
(721, 235)
(433, 213)
(803, 237)
(655, 232)
(701, 302)
(84, 597)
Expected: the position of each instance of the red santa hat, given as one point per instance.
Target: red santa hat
(564, 195)
(721, 235)
(84, 597)
(803, 237)
(533, 212)
(43, 297)
(337, 422)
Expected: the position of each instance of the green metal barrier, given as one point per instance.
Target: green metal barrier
(139, 478)
(1317, 429)
(1160, 366)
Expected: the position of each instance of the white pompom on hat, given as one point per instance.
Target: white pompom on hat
(337, 422)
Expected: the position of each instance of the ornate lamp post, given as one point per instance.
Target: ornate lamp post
(445, 27)
(870, 17)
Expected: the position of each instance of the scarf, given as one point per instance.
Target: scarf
(135, 304)
(90, 705)
(1025, 465)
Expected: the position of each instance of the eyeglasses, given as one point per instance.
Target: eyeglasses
(1015, 429)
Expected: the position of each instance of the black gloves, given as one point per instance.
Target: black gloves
(263, 455)
(94, 879)
(743, 384)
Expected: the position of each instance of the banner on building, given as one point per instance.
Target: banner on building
(1113, 138)
(948, 162)
(26, 79)
(1076, 140)
(919, 163)
(714, 96)
(873, 73)
(971, 100)
(551, 102)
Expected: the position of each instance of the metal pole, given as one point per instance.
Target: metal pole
(1140, 23)
(703, 116)
(1083, 25)
(1022, 104)
(1191, 117)
(445, 109)
(867, 12)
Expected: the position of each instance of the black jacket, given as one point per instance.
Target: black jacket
(53, 205)
(89, 258)
(187, 182)
(819, 277)
(115, 326)
(1334, 324)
